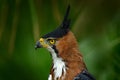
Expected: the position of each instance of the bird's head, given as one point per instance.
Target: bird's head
(50, 40)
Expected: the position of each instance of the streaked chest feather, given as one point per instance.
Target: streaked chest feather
(59, 68)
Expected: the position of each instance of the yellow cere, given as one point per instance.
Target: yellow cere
(43, 43)
(41, 40)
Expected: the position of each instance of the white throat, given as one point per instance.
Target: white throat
(58, 65)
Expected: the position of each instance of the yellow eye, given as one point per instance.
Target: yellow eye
(52, 41)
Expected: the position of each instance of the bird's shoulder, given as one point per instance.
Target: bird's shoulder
(84, 75)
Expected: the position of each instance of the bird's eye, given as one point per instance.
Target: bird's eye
(52, 41)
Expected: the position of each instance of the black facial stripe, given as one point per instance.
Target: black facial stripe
(56, 51)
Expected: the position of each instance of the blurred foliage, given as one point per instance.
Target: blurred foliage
(95, 23)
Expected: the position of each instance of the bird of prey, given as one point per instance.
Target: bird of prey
(67, 63)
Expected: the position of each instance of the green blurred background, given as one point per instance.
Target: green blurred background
(95, 23)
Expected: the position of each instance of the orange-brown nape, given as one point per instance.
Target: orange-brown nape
(68, 50)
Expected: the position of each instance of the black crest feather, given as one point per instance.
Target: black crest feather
(66, 21)
(62, 29)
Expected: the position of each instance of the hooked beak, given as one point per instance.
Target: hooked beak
(38, 45)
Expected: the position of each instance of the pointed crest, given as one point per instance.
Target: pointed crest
(62, 29)
(66, 22)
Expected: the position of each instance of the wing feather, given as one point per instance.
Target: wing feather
(84, 75)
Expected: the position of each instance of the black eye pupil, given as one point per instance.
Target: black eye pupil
(52, 41)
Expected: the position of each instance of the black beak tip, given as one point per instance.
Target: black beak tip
(38, 45)
(35, 47)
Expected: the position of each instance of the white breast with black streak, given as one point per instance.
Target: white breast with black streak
(58, 66)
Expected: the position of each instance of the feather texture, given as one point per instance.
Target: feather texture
(84, 75)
